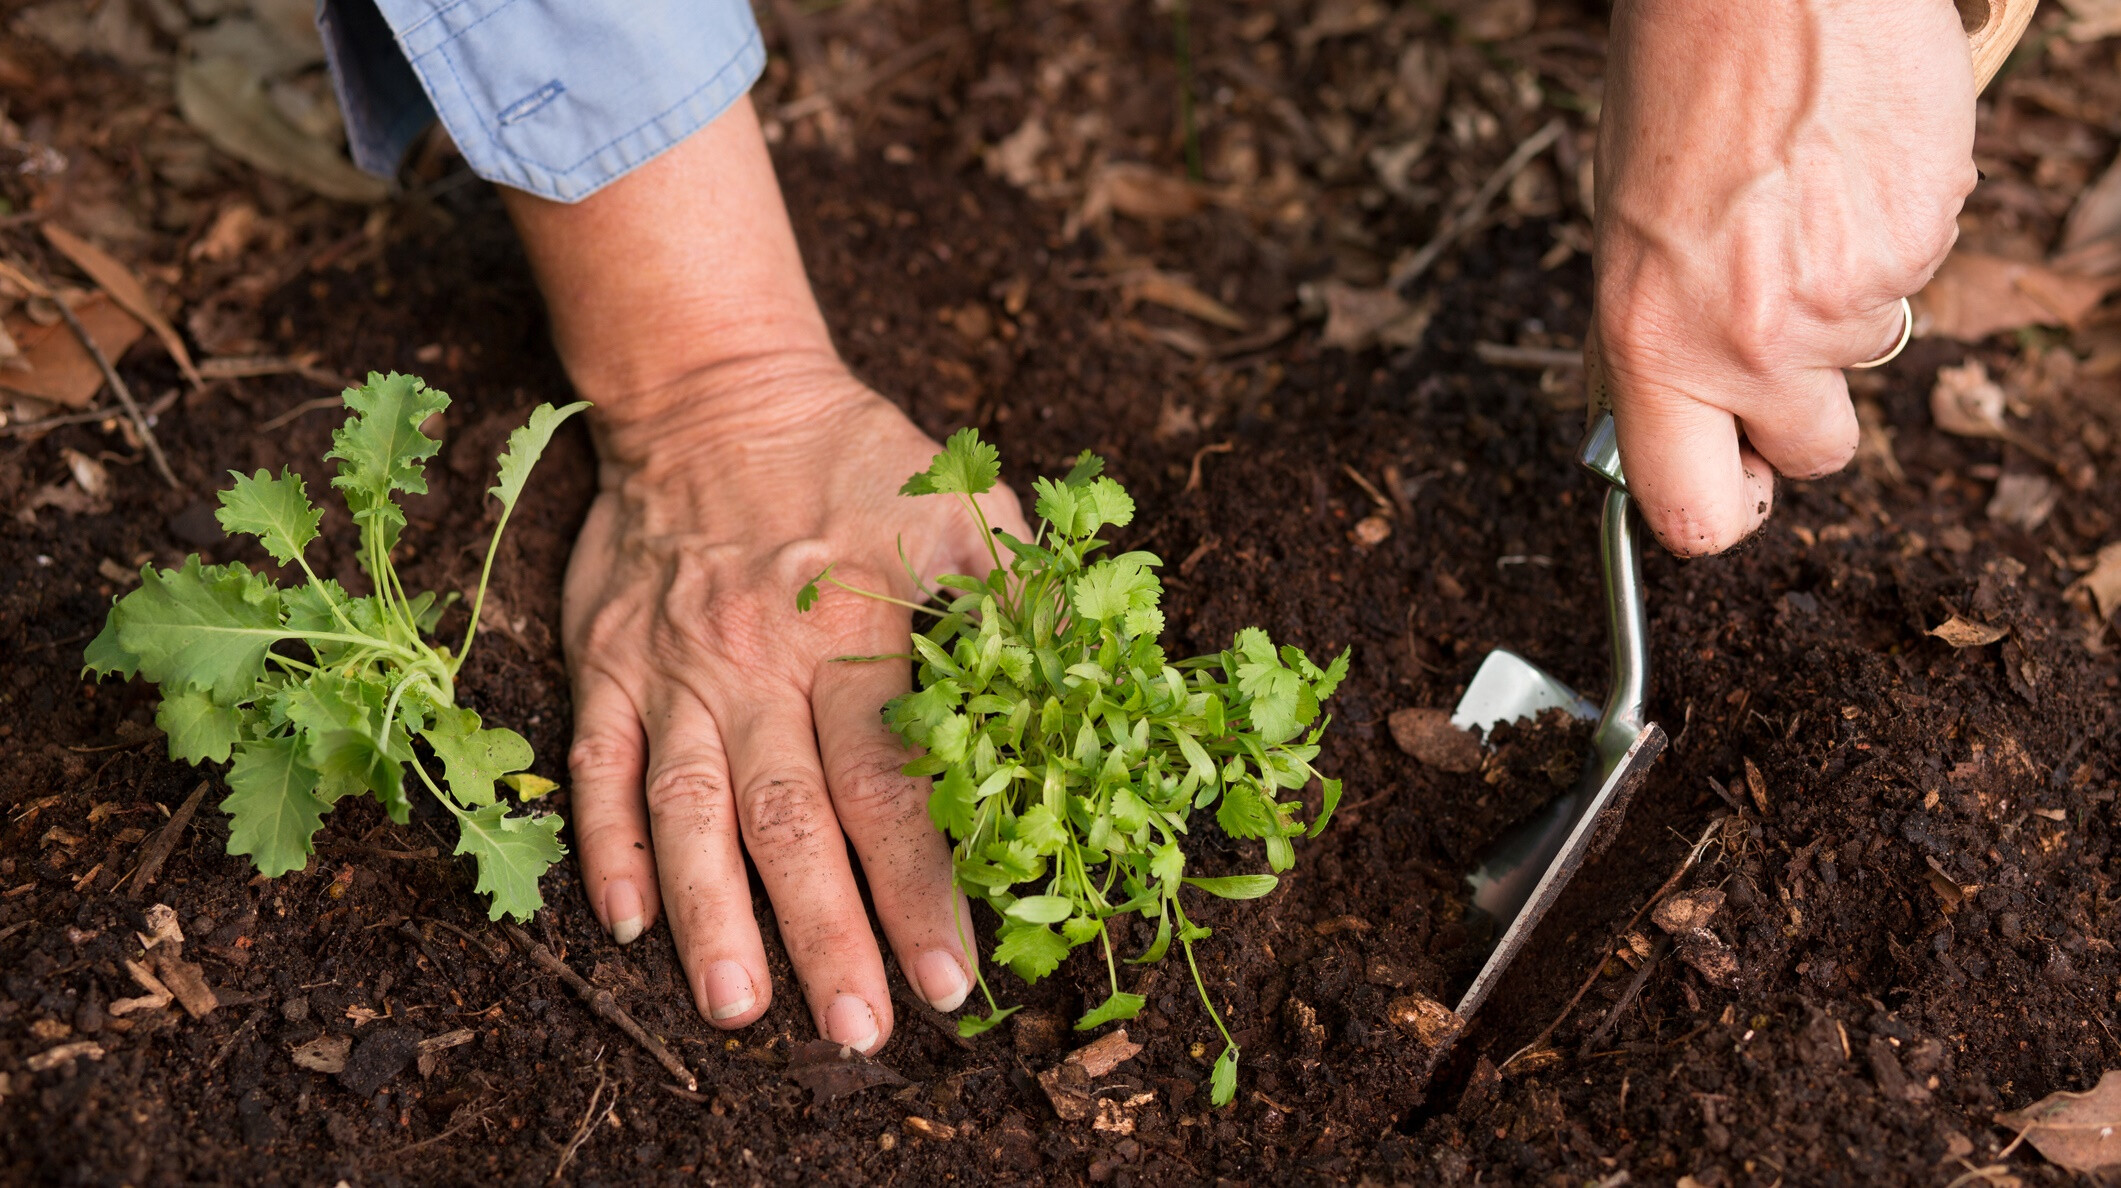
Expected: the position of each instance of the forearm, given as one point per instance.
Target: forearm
(679, 276)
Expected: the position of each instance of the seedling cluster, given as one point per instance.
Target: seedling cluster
(307, 730)
(1069, 754)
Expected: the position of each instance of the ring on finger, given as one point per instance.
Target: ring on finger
(1907, 331)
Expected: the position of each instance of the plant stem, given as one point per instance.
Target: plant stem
(478, 602)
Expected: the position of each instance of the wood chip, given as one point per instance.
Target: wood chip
(52, 1058)
(1756, 784)
(1965, 633)
(157, 996)
(188, 982)
(324, 1054)
(1427, 1021)
(1686, 915)
(941, 1132)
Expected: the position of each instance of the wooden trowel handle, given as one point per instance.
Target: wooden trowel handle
(1993, 28)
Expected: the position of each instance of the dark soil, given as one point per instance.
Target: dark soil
(1916, 842)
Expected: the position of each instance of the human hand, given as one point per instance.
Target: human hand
(712, 721)
(1772, 180)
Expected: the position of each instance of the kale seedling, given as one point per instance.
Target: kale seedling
(1069, 753)
(308, 730)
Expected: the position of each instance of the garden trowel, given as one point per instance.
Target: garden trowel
(1524, 872)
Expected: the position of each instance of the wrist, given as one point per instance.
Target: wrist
(738, 401)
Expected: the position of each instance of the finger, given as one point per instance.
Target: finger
(610, 820)
(1700, 490)
(801, 855)
(701, 858)
(885, 815)
(1808, 428)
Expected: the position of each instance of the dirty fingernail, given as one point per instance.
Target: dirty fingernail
(728, 990)
(850, 1023)
(942, 980)
(622, 906)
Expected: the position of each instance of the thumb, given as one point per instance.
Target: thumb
(1700, 487)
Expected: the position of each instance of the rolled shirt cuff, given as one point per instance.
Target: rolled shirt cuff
(554, 97)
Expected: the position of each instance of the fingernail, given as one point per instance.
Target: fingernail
(942, 980)
(850, 1023)
(622, 906)
(728, 990)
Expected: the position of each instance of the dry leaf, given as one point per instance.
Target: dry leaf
(1976, 294)
(1357, 318)
(60, 369)
(1965, 633)
(2023, 500)
(2103, 583)
(227, 103)
(1139, 192)
(2079, 1131)
(1967, 402)
(1161, 288)
(1429, 1022)
(1686, 915)
(2097, 213)
(1756, 784)
(125, 289)
(1015, 159)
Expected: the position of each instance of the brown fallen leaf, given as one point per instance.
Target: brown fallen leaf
(1139, 192)
(226, 101)
(124, 288)
(1976, 294)
(1428, 735)
(1965, 633)
(830, 1071)
(2091, 20)
(2078, 1131)
(1359, 318)
(2023, 501)
(2103, 583)
(1756, 784)
(59, 368)
(2097, 213)
(1161, 288)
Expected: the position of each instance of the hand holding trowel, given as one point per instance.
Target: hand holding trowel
(1522, 875)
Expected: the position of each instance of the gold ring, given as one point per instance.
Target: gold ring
(1907, 331)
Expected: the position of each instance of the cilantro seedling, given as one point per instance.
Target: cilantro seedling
(307, 729)
(1069, 754)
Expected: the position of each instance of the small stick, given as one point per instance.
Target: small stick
(1469, 216)
(494, 954)
(1628, 996)
(601, 1004)
(158, 850)
(1605, 954)
(41, 424)
(1496, 354)
(124, 394)
(929, 1015)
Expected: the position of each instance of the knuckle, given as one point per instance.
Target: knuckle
(872, 791)
(601, 758)
(1694, 532)
(688, 797)
(608, 844)
(784, 812)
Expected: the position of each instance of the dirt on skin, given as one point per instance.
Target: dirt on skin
(1914, 844)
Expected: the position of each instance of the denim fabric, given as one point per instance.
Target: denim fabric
(556, 97)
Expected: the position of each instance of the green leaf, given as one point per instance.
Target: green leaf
(198, 729)
(1156, 950)
(513, 852)
(1120, 1005)
(273, 809)
(1032, 950)
(1041, 909)
(951, 803)
(972, 1025)
(1109, 589)
(967, 466)
(380, 449)
(275, 510)
(203, 626)
(1325, 810)
(1236, 886)
(1335, 673)
(525, 446)
(1167, 862)
(806, 597)
(104, 656)
(1245, 812)
(473, 758)
(1222, 1083)
(339, 718)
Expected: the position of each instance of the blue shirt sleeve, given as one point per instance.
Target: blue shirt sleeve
(556, 97)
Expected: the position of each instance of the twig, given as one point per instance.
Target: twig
(302, 409)
(1193, 477)
(1686, 864)
(601, 1004)
(1628, 995)
(158, 850)
(495, 954)
(123, 393)
(1469, 216)
(590, 1121)
(229, 1045)
(929, 1015)
(41, 424)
